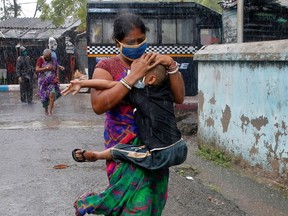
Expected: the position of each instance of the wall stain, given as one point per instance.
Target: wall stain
(275, 157)
(259, 122)
(253, 151)
(210, 122)
(257, 137)
(217, 74)
(283, 126)
(200, 101)
(212, 100)
(226, 117)
(245, 122)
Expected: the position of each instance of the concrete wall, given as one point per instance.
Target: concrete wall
(243, 101)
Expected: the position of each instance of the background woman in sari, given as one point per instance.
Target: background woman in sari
(48, 83)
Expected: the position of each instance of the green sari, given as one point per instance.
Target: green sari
(132, 191)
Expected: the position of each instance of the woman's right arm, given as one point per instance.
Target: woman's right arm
(39, 69)
(104, 100)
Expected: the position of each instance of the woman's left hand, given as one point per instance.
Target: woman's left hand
(164, 60)
(176, 81)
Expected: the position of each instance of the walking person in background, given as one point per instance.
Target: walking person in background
(3, 71)
(48, 82)
(3, 76)
(11, 72)
(24, 71)
(52, 45)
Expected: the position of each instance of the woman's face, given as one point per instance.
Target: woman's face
(134, 37)
(132, 46)
(47, 57)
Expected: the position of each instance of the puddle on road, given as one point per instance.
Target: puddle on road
(39, 125)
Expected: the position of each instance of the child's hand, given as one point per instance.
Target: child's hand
(74, 87)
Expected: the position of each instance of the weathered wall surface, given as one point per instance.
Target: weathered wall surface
(243, 101)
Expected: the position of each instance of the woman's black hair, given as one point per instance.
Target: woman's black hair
(124, 23)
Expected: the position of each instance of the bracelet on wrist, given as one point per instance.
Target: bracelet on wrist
(172, 65)
(176, 70)
(172, 69)
(126, 84)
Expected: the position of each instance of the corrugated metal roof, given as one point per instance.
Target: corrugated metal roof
(34, 28)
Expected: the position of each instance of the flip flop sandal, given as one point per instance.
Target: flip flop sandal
(82, 154)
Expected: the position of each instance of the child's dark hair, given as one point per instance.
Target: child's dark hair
(160, 72)
(124, 23)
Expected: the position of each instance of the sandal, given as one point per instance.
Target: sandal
(82, 155)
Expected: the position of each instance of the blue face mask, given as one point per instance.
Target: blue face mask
(140, 84)
(132, 52)
(25, 53)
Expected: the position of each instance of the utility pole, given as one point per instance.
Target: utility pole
(36, 9)
(240, 15)
(5, 10)
(15, 8)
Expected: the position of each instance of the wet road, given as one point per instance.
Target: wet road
(32, 144)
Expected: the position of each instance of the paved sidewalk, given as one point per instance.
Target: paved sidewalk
(251, 192)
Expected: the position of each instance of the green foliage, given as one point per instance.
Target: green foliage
(210, 4)
(218, 156)
(185, 169)
(181, 172)
(9, 10)
(59, 10)
(214, 187)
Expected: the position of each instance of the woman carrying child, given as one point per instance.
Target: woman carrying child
(132, 190)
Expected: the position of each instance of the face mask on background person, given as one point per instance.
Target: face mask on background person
(25, 53)
(132, 52)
